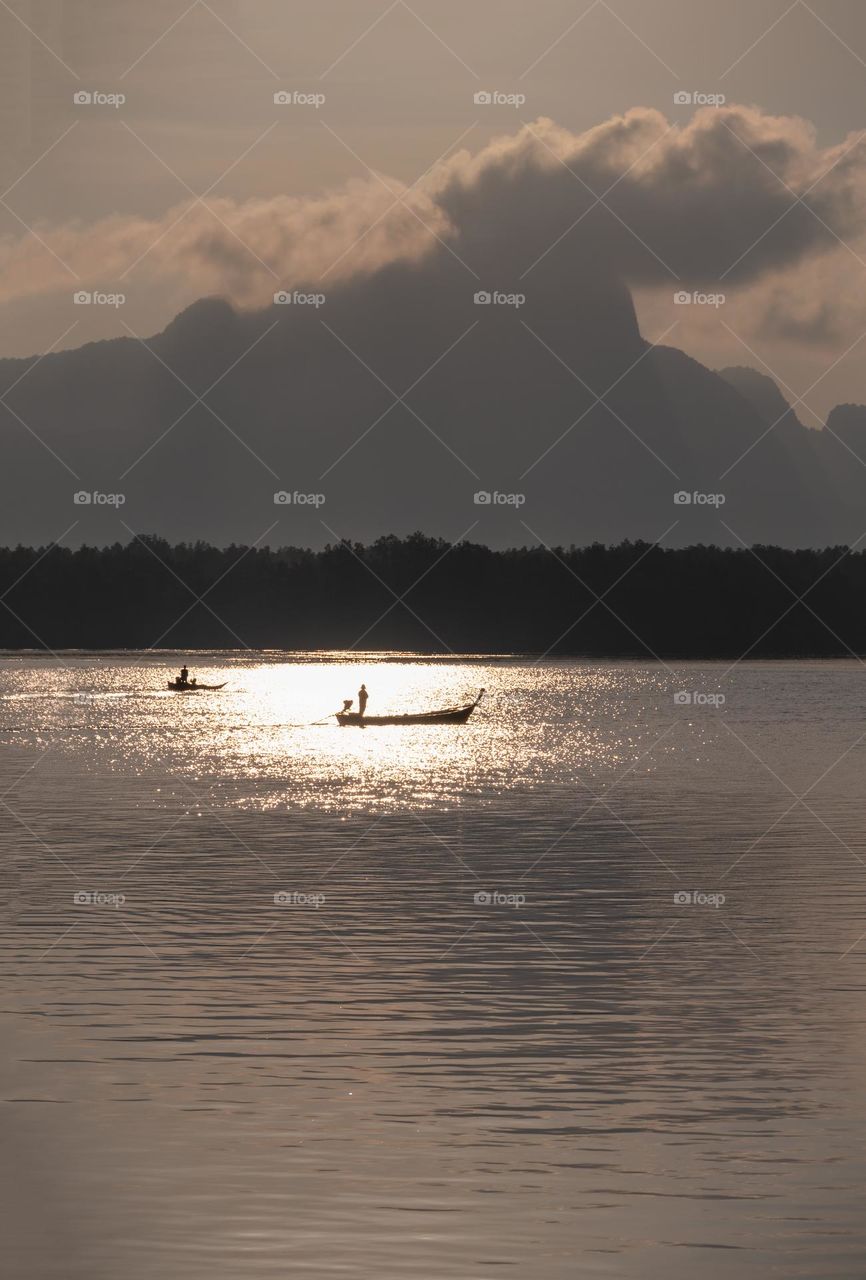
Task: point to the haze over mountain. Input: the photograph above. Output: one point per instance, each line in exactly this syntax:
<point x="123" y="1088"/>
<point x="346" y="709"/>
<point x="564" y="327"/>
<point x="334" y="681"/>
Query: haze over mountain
<point x="401" y="396"/>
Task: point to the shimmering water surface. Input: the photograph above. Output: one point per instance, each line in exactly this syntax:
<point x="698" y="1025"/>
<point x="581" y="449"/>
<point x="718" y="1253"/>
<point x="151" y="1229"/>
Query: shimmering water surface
<point x="577" y="989"/>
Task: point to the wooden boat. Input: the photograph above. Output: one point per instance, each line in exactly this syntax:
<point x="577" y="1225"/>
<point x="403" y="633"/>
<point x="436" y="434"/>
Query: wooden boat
<point x="177" y="687"/>
<point x="450" y="715"/>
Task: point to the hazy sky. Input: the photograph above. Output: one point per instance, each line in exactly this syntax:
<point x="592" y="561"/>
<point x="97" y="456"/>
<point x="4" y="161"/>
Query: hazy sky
<point x="102" y="197"/>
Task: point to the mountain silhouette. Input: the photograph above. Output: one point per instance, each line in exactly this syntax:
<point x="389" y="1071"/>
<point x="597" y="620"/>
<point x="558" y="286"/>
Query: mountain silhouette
<point x="401" y="397"/>
<point x="762" y="393"/>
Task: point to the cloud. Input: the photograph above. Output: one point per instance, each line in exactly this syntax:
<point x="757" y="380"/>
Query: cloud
<point x="244" y="250"/>
<point x="734" y="195"/>
<point x="723" y="197"/>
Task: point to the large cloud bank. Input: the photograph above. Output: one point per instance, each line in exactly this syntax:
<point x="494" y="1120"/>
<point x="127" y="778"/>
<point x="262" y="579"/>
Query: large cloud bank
<point x="735" y="195"/>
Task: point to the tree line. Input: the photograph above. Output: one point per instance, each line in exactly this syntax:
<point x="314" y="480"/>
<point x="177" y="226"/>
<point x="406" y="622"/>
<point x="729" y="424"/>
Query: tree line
<point x="421" y="593"/>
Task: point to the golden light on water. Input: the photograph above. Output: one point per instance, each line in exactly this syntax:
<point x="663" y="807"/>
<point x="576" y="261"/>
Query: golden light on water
<point x="269" y="739"/>
<point x="278" y="736"/>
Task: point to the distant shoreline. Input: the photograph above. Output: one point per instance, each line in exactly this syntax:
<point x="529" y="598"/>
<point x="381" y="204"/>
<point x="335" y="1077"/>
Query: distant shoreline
<point x="385" y="656"/>
<point x="427" y="598"/>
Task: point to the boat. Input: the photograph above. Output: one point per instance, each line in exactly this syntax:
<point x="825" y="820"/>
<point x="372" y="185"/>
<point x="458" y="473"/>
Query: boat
<point x="450" y="715"/>
<point x="177" y="687"/>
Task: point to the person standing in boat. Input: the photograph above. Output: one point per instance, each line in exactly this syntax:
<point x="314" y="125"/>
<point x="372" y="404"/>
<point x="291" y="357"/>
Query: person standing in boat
<point x="362" y="699"/>
<point x="184" y="674"/>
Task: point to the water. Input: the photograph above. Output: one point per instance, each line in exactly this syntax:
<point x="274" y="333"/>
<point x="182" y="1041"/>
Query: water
<point x="423" y="1002"/>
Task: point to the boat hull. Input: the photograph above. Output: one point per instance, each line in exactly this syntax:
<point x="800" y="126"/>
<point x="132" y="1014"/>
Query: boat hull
<point x="193" y="688"/>
<point x="456" y="715"/>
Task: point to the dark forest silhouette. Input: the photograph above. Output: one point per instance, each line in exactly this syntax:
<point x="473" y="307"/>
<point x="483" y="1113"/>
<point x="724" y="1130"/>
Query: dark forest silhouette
<point x="695" y="601"/>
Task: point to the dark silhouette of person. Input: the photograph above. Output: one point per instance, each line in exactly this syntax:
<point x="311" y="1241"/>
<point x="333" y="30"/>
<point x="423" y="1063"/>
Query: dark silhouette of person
<point x="362" y="699"/>
<point x="184" y="674"/>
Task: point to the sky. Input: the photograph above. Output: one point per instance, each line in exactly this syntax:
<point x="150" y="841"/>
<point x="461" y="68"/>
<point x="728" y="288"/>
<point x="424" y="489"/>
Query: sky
<point x="197" y="182"/>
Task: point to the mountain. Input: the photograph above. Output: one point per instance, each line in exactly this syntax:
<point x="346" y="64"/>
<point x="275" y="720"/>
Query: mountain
<point x="848" y="422"/>
<point x="762" y="393"/>
<point x="397" y="400"/>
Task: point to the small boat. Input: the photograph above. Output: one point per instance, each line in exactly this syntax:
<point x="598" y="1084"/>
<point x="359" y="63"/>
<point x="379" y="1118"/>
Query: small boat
<point x="177" y="687"/>
<point x="451" y="715"/>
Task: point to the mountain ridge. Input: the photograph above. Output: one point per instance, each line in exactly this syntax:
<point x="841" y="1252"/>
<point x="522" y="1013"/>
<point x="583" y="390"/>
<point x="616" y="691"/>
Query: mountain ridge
<point x="397" y="401"/>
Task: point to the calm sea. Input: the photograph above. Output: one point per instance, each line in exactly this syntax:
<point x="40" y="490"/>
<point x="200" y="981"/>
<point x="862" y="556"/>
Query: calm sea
<point x="575" y="990"/>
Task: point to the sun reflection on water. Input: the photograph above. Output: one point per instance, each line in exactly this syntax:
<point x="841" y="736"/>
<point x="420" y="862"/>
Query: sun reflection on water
<point x="269" y="739"/>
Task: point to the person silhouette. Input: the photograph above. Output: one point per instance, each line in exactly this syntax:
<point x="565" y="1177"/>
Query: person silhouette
<point x="362" y="699"/>
<point x="184" y="674"/>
